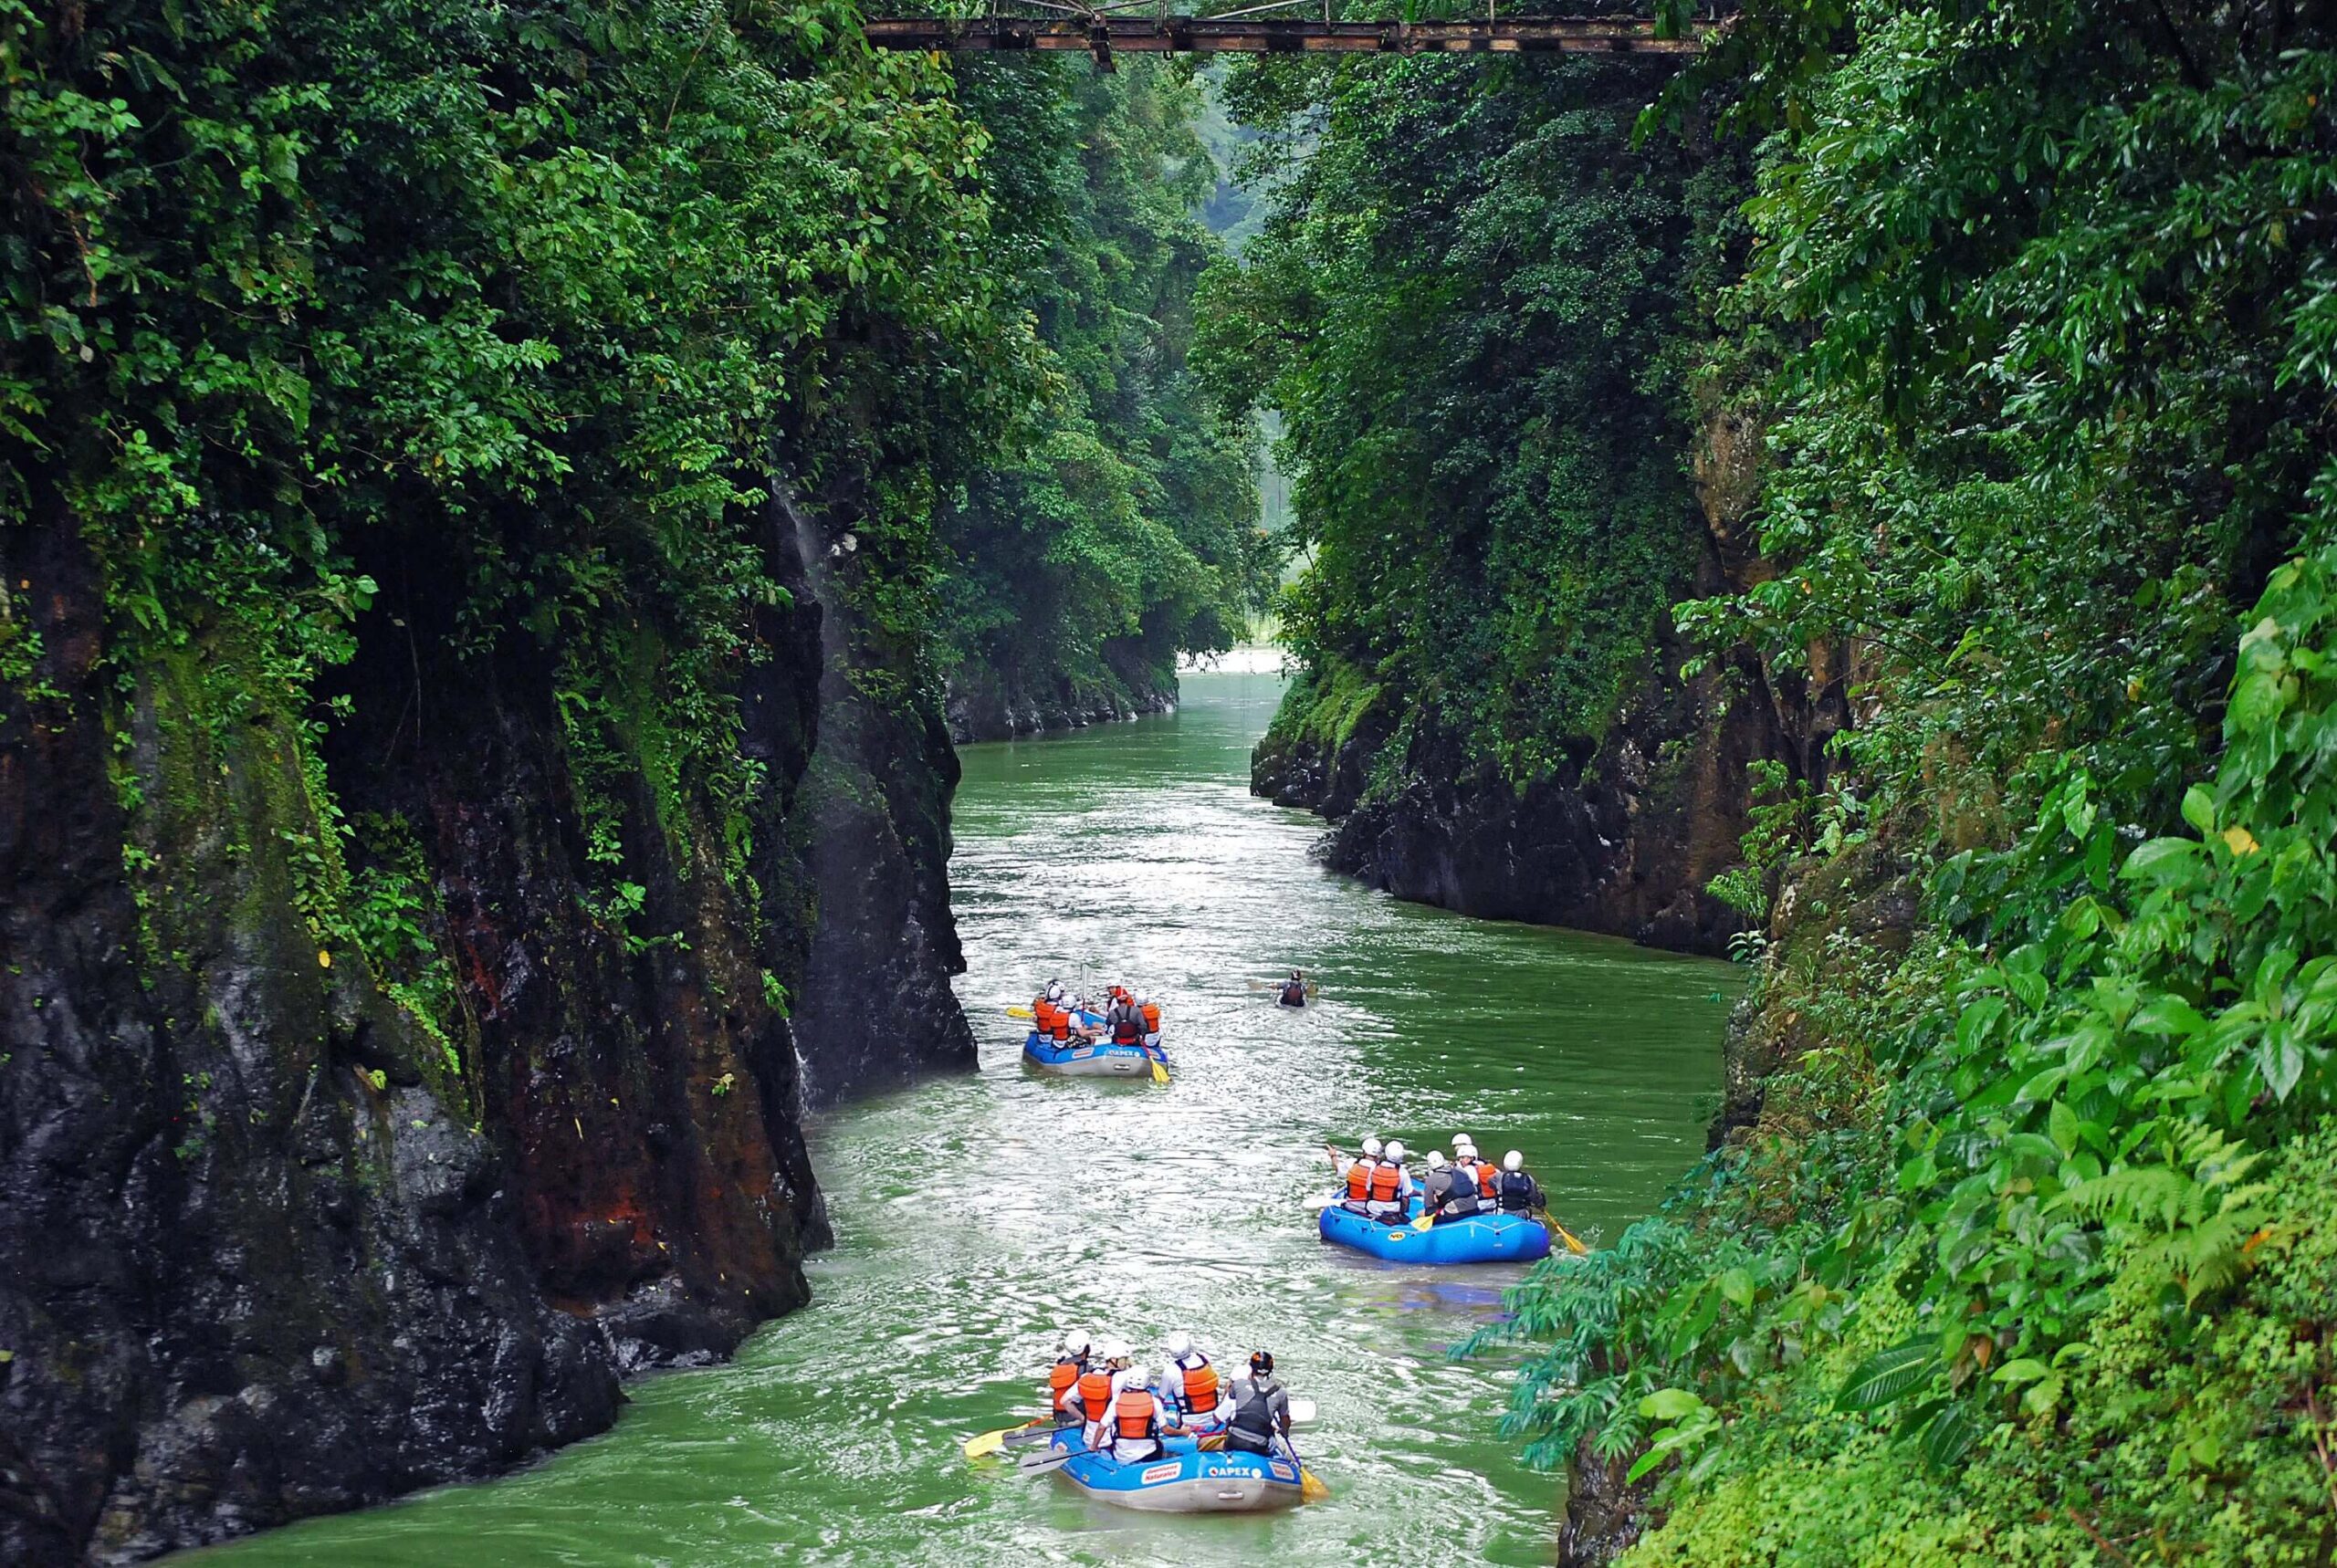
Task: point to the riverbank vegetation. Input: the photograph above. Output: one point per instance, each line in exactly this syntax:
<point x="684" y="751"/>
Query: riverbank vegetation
<point x="1468" y="306"/>
<point x="1124" y="530"/>
<point x="2014" y="1249"/>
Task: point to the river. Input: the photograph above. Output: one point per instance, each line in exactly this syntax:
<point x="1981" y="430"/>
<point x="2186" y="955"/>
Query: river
<point x="976" y="1217"/>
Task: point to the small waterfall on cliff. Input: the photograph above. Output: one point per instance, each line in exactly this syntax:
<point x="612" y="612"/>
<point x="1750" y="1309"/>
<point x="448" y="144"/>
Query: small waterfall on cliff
<point x="811" y="558"/>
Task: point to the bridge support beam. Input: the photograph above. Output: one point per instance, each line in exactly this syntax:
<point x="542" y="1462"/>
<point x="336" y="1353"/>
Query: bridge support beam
<point x="1105" y="35"/>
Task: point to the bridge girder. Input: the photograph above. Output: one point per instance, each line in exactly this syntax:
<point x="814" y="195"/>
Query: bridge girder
<point x="1105" y="33"/>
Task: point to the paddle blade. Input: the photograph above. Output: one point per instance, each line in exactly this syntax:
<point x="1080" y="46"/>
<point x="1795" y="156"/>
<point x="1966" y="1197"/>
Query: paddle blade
<point x="989" y="1443"/>
<point x="1039" y="1465"/>
<point x="1018" y="1013"/>
<point x="1577" y="1247"/>
<point x="1161" y="1073"/>
<point x="1311" y="1487"/>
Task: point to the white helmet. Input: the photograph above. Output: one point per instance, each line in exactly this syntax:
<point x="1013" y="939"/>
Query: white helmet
<point x="1139" y="1378"/>
<point x="1054" y="991"/>
<point x="1395" y="1154"/>
<point x="1512" y="1161"/>
<point x="1076" y="1341"/>
<point x="1436" y="1159"/>
<point x="1371" y="1148"/>
<point x="1463" y="1144"/>
<point x="1116" y="1350"/>
<point x="1179" y="1345"/>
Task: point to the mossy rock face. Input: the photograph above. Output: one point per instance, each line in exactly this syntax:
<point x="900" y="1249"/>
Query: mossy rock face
<point x="229" y="1200"/>
<point x="1623" y="838"/>
<point x="872" y="831"/>
<point x="1044" y="687"/>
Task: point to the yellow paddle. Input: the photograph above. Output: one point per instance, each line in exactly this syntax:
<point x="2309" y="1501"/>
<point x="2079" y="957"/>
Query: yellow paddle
<point x="1018" y="1013"/>
<point x="1311" y="1487"/>
<point x="991" y="1442"/>
<point x="1160" y="1069"/>
<point x="1573" y="1246"/>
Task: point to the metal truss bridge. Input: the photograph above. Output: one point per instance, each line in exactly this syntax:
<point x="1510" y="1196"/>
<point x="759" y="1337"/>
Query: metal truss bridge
<point x="1275" y="27"/>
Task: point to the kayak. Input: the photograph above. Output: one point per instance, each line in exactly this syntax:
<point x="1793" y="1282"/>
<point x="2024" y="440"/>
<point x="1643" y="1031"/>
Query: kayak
<point x="1185" y="1480"/>
<point x="1078" y="1058"/>
<point x="1479" y="1238"/>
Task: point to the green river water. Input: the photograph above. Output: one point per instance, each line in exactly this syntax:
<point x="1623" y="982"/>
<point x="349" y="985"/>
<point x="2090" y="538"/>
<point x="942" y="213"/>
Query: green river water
<point x="975" y="1217"/>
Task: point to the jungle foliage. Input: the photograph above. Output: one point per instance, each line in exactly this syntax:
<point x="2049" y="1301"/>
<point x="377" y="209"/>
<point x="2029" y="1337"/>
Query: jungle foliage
<point x="2027" y="1258"/>
<point x="1471" y="304"/>
<point x="1123" y="531"/>
<point x="530" y="301"/>
<point x="498" y="329"/>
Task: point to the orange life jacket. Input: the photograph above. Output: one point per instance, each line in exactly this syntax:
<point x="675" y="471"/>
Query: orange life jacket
<point x="1359" y="1179"/>
<point x="1062" y="1378"/>
<point x="1486" y="1178"/>
<point x="1134" y="1415"/>
<point x="1152" y="1018"/>
<point x="1042" y="1016"/>
<point x="1201" y="1388"/>
<point x="1386" y="1184"/>
<point x="1096" y="1393"/>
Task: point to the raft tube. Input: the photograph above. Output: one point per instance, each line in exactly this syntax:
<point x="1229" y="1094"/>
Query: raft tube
<point x="1479" y="1238"/>
<point x="1185" y="1480"/>
<point x="1077" y="1059"/>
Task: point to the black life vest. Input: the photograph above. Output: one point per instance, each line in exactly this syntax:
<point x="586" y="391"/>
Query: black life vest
<point x="1253" y="1414"/>
<point x="1516" y="1191"/>
<point x="1294" y="995"/>
<point x="1128" y="1024"/>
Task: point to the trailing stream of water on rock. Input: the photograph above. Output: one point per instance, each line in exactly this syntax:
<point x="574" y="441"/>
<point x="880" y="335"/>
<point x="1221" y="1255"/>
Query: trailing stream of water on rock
<point x="976" y="1217"/>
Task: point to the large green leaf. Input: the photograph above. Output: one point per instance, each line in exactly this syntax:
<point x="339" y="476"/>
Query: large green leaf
<point x="1883" y="1377"/>
<point x="1950" y="1437"/>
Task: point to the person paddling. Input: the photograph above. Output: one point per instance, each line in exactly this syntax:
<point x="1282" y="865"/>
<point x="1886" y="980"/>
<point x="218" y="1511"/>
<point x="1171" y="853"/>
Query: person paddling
<point x="1356" y="1174"/>
<point x="1261" y="1410"/>
<point x="1391" y="1187"/>
<point x="1126" y="1020"/>
<point x="1192" y="1380"/>
<point x="1063" y="1378"/>
<point x="1137" y="1422"/>
<point x="1518" y="1192"/>
<point x="1294" y="990"/>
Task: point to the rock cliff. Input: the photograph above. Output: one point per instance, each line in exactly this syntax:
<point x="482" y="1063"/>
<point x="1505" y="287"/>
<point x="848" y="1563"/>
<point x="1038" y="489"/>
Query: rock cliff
<point x="286" y="1233"/>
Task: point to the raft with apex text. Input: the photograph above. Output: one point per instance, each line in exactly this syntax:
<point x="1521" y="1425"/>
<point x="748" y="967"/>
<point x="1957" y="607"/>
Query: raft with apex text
<point x="1076" y="1058"/>
<point x="1475" y="1238"/>
<point x="1184" y="1479"/>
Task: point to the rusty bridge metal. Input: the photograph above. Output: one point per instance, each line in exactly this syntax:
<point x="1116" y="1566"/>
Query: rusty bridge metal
<point x="1275" y="27"/>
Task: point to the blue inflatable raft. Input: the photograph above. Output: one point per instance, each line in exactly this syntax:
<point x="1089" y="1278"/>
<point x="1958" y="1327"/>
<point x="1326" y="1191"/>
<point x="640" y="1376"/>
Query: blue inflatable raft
<point x="1185" y="1480"/>
<point x="1078" y="1058"/>
<point x="1479" y="1238"/>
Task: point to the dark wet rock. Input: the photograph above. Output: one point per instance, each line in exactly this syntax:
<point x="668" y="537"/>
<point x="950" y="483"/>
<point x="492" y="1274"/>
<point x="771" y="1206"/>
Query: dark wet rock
<point x="1034" y="694"/>
<point x="270" y="1248"/>
<point x="873" y="1008"/>
<point x="1624" y="841"/>
<point x="1605" y="1514"/>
